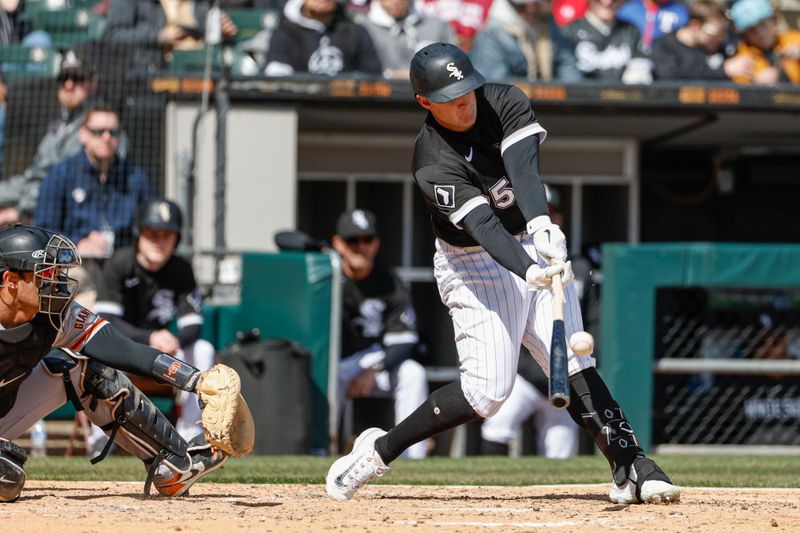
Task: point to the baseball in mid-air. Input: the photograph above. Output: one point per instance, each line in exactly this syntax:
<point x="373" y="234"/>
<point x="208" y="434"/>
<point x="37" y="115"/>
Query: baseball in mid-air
<point x="582" y="343"/>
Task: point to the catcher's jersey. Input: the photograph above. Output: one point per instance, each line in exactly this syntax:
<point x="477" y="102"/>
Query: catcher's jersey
<point x="149" y="300"/>
<point x="457" y="172"/>
<point x="376" y="309"/>
<point x="22" y="347"/>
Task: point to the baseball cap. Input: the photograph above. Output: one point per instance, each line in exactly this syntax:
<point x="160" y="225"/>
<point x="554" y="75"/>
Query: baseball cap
<point x="748" y="13"/>
<point x="356" y="222"/>
<point x="73" y="66"/>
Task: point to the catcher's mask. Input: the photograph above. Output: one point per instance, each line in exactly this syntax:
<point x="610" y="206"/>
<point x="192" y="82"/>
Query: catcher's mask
<point x="49" y="256"/>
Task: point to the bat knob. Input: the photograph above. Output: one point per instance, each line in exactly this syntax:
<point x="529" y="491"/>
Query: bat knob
<point x="560" y="401"/>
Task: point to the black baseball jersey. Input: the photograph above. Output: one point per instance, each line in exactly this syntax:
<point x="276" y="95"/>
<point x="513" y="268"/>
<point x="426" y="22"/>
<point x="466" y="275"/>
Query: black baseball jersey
<point x="149" y="300"/>
<point x="603" y="52"/>
<point x="376" y="310"/>
<point x="459" y="171"/>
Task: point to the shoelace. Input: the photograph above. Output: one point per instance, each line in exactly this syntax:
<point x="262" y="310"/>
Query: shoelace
<point x="363" y="471"/>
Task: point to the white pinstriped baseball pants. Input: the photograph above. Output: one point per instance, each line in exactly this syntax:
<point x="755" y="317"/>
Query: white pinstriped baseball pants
<point x="493" y="314"/>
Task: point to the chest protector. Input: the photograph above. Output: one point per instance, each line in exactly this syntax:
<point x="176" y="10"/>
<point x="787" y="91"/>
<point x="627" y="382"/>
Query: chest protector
<point x="21" y="349"/>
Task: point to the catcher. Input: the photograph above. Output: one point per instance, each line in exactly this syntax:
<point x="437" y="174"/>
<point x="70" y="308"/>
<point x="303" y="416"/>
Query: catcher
<point x="38" y="314"/>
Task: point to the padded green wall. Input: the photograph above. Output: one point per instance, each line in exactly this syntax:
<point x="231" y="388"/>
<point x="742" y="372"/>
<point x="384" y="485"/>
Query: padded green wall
<point x="631" y="274"/>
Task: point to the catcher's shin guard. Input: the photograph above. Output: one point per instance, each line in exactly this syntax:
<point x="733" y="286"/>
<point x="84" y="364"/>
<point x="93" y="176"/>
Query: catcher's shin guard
<point x="593" y="409"/>
<point x="132" y="421"/>
<point x="12" y="475"/>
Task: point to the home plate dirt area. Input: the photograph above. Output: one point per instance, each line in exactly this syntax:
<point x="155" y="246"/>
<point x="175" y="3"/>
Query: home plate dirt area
<point x="105" y="507"/>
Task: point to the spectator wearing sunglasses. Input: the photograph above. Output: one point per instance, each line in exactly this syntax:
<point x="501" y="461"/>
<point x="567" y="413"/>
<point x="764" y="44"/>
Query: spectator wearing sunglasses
<point x="93" y="196"/>
<point x="379" y="331"/>
<point x="77" y="82"/>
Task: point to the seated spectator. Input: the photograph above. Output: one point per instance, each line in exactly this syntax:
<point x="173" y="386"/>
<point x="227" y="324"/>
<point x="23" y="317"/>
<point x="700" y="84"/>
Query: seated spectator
<point x="517" y="42"/>
<point x="157" y="28"/>
<point x="319" y="37"/>
<point x="379" y="330"/>
<point x="775" y="56"/>
<point x="145" y="286"/>
<point x="654" y="18"/>
<point x="77" y="83"/>
<point x="607" y="49"/>
<point x="92" y="196"/>
<point x="399" y="30"/>
<point x="694" y="52"/>
<point x="467" y="17"/>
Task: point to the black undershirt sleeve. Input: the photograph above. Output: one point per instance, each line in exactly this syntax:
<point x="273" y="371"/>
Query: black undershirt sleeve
<point x="140" y="335"/>
<point x="521" y="160"/>
<point x="116" y="350"/>
<point x="486" y="228"/>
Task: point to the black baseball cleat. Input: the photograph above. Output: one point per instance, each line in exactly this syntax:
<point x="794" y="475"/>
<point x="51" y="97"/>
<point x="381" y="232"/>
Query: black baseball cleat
<point x="646" y="483"/>
<point x="205" y="459"/>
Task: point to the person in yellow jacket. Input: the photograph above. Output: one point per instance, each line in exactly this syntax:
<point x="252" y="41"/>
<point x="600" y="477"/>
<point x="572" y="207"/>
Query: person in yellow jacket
<point x="776" y="56"/>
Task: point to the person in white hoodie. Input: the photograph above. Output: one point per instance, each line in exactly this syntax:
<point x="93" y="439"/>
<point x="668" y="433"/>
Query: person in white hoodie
<point x="521" y="40"/>
<point x="398" y="30"/>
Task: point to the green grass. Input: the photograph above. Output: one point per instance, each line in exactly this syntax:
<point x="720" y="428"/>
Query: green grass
<point x="722" y="471"/>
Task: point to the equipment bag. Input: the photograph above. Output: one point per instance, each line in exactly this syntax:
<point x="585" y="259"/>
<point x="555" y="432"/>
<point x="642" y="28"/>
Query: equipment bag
<point x="276" y="383"/>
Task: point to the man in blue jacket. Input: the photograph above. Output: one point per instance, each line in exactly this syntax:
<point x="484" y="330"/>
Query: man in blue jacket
<point x="92" y="197"/>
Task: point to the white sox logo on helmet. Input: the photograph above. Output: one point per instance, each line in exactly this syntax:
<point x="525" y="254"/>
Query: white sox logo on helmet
<point x="454" y="72"/>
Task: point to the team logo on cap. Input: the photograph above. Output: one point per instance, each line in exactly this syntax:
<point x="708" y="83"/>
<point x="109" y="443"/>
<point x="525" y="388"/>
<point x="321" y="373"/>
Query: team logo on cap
<point x="163" y="212"/>
<point x="454" y="72"/>
<point x="445" y="195"/>
<point x="360" y="219"/>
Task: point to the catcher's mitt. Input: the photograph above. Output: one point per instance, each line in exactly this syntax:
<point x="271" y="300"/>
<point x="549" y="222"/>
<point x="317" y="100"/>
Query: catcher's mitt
<point x="226" y="419"/>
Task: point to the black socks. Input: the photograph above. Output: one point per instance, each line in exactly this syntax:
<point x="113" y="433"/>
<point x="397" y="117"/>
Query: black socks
<point x="444" y="409"/>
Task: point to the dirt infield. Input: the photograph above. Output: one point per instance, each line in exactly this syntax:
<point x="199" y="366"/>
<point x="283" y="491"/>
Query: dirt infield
<point x="106" y="507"/>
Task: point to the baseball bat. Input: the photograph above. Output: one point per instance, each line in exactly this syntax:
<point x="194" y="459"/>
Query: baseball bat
<point x="559" y="386"/>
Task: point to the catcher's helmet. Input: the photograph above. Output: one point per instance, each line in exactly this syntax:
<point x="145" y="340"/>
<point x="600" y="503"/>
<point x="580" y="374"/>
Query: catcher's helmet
<point x="160" y="213"/>
<point x="442" y="72"/>
<point x="49" y="256"/>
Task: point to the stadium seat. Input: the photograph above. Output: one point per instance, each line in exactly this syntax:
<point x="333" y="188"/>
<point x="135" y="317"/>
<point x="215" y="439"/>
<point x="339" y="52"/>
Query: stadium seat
<point x="252" y="21"/>
<point x="69" y="27"/>
<point x="21" y="61"/>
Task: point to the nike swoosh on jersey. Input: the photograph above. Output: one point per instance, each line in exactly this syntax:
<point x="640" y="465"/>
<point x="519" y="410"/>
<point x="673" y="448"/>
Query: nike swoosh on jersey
<point x="132" y="282"/>
<point x="468" y="157"/>
<point x="4" y="382"/>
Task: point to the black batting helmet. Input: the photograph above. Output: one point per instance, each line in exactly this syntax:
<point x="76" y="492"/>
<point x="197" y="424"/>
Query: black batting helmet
<point x="159" y="213"/>
<point x="442" y="72"/>
<point x="49" y="256"/>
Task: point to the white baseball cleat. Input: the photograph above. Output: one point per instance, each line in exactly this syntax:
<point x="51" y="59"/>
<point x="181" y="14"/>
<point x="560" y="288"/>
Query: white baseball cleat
<point x="356" y="469"/>
<point x="646" y="483"/>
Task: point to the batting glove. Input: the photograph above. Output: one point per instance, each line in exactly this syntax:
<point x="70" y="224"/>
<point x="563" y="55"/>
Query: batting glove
<point x="540" y="278"/>
<point x="550" y="243"/>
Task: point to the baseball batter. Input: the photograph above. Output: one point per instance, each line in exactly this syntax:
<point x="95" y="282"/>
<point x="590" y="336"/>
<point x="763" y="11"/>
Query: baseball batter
<point x="476" y="164"/>
<point x="37" y="314"/>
